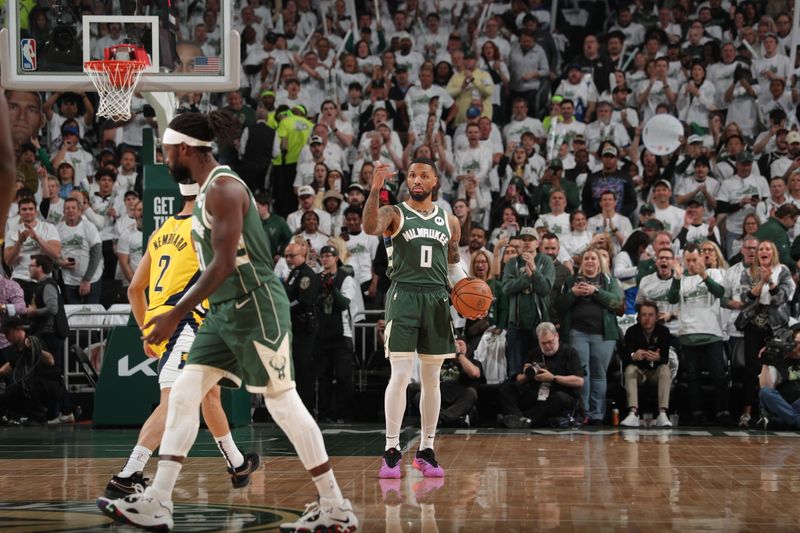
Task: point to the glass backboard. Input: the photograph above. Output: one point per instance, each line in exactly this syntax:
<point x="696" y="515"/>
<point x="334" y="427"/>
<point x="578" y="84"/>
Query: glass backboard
<point x="191" y="44"/>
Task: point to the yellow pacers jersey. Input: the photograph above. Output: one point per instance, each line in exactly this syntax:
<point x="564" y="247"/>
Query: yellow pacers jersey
<point x="173" y="270"/>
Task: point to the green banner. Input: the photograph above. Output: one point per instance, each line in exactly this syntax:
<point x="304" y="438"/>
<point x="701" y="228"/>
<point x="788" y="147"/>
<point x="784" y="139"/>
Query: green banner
<point x="127" y="391"/>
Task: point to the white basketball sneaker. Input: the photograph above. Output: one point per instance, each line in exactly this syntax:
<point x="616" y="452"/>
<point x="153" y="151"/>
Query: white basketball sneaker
<point x="141" y="509"/>
<point x="631" y="421"/>
<point x="325" y="515"/>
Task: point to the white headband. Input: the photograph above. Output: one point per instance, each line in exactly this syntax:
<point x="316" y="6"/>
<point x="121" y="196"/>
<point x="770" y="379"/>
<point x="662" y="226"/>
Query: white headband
<point x="189" y="189"/>
<point x="175" y="137"/>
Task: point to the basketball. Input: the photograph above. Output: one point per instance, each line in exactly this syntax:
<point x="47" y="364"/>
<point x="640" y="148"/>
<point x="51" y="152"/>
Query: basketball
<point x="471" y="297"/>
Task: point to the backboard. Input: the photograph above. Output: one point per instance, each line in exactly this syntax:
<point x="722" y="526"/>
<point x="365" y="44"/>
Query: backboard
<point x="46" y="42"/>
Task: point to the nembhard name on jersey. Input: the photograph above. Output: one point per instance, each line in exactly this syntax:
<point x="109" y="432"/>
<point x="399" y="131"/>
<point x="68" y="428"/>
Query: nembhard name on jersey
<point x="426" y="233"/>
<point x="170" y="238"/>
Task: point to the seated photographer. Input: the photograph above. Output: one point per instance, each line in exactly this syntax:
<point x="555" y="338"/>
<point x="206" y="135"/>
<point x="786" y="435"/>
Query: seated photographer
<point x="645" y="355"/>
<point x="35" y="383"/>
<point x="780" y="381"/>
<point x="549" y="385"/>
<point x="458" y="377"/>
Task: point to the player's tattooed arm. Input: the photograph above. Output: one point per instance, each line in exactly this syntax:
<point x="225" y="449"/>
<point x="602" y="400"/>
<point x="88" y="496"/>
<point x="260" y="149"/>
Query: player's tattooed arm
<point x="379" y="220"/>
<point x="453" y="255"/>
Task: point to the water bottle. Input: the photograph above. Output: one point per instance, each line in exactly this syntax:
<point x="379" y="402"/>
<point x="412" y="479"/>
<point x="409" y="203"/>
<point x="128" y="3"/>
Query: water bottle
<point x="615" y="417"/>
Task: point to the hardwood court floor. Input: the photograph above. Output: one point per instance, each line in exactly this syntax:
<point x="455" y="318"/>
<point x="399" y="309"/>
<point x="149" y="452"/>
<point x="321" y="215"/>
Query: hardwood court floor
<point x="595" y="480"/>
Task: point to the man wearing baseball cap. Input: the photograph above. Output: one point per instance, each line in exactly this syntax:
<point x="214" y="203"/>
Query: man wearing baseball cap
<point x="739" y="196"/>
<point x="553" y="179"/>
<point x="700" y="186"/>
<point x="72" y="151"/>
<point x="470" y="83"/>
<point x="306" y="197"/>
<point x="609" y="178"/>
<point x="672" y="217"/>
<point x="527" y="281"/>
<point x="790" y="163"/>
<point x="333" y="349"/>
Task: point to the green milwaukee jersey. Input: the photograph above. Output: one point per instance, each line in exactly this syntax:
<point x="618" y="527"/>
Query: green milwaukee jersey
<point x="417" y="250"/>
<point x="253" y="260"/>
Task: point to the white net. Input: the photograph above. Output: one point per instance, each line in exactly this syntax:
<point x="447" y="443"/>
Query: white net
<point x="115" y="82"/>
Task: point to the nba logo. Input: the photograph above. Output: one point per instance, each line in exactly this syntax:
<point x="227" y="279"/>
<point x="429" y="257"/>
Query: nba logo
<point x="28" y="51"/>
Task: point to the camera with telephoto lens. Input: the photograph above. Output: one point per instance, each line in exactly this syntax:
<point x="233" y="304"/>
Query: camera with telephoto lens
<point x="531" y="371"/>
<point x="778" y="347"/>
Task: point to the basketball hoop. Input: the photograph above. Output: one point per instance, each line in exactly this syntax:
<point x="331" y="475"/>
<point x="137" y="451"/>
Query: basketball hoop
<point x="116" y="79"/>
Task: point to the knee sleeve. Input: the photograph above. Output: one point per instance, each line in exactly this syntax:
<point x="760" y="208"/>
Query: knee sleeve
<point x="429" y="373"/>
<point x="183" y="414"/>
<point x="402" y="368"/>
<point x="293" y="418"/>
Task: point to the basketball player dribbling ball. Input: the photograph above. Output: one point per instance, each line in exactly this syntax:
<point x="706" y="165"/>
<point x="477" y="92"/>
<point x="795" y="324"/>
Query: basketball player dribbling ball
<point x="422" y="245"/>
<point x="8" y="168"/>
<point x="169" y="268"/>
<point x="246" y="335"/>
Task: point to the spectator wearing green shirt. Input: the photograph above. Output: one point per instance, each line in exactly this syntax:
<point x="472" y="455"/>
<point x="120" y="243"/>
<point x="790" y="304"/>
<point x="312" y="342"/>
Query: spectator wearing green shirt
<point x="275" y="226"/>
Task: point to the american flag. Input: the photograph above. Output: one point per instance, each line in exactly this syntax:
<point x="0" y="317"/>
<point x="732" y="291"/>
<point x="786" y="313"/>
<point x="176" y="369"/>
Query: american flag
<point x="206" y="64"/>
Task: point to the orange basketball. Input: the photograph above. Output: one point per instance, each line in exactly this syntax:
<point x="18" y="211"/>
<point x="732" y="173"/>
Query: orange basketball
<point x="471" y="297"/>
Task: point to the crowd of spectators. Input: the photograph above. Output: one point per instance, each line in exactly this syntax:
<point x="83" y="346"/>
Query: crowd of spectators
<point x="535" y="124"/>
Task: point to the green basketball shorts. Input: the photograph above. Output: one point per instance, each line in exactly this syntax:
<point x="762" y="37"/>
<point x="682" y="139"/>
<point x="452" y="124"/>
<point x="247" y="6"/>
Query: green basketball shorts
<point x="249" y="339"/>
<point x="418" y="320"/>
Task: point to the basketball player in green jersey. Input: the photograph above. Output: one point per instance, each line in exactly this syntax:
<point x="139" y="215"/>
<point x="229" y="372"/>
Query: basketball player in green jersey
<point x="244" y="338"/>
<point x="422" y="245"/>
<point x="8" y="169"/>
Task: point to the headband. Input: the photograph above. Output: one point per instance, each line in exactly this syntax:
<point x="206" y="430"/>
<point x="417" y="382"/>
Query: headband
<point x="189" y="189"/>
<point x="175" y="137"/>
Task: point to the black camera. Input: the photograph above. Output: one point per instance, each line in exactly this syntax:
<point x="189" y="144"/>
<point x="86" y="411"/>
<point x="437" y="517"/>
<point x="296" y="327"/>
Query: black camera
<point x="531" y="371"/>
<point x="778" y="347"/>
<point x="741" y="73"/>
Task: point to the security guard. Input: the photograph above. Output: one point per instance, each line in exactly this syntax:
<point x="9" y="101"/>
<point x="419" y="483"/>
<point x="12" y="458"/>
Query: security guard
<point x="303" y="288"/>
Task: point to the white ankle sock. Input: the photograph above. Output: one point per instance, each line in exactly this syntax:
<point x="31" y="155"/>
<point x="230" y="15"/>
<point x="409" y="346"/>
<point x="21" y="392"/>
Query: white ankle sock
<point x="229" y="450"/>
<point x="166" y="477"/>
<point x="327" y="486"/>
<point x="136" y="462"/>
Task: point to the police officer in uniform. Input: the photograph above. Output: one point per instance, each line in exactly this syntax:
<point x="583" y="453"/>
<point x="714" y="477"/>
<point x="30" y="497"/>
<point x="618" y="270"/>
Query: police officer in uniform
<point x="303" y="288"/>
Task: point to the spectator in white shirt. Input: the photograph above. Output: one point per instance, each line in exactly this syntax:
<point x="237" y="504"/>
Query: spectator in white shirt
<point x="658" y="89"/>
<point x="777" y="197"/>
<point x="633" y="31"/>
<point x="609" y="221"/>
<point x="130" y="247"/>
<point x="739" y="196"/>
<point x="81" y="258"/>
<point x="31" y="236"/>
<point x="582" y="92"/>
<point x="698" y="186"/>
<point x="669" y="215"/>
<point x="362" y="248"/>
<point x="520" y="123"/>
<point x="72" y="151"/>
<point x="474" y="161"/>
<point x="127" y="175"/>
<point x="306" y="197"/>
<point x="605" y="129"/>
<point x="67" y="110"/>
<point x="696" y="98"/>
